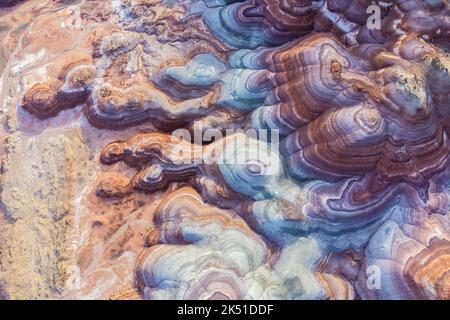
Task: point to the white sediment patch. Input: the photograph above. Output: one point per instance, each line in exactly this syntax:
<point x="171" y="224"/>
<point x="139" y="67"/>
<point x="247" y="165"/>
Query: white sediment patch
<point x="28" y="61"/>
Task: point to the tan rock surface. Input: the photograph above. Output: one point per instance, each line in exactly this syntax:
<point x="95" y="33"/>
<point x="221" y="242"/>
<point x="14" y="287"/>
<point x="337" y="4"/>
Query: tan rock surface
<point x="41" y="180"/>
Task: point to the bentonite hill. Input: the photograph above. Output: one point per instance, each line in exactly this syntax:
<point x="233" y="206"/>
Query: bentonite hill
<point x="225" y="149"/>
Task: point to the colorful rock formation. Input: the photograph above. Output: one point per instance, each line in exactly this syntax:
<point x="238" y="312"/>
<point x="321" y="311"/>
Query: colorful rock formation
<point x="202" y="149"/>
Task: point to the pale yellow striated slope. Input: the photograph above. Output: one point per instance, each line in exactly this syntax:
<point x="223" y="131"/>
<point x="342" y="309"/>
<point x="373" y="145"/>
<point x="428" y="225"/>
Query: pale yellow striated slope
<point x="41" y="178"/>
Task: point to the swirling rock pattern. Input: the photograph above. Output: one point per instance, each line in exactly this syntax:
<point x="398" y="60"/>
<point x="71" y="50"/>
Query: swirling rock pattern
<point x="221" y="256"/>
<point x="239" y="149"/>
<point x="262" y="22"/>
